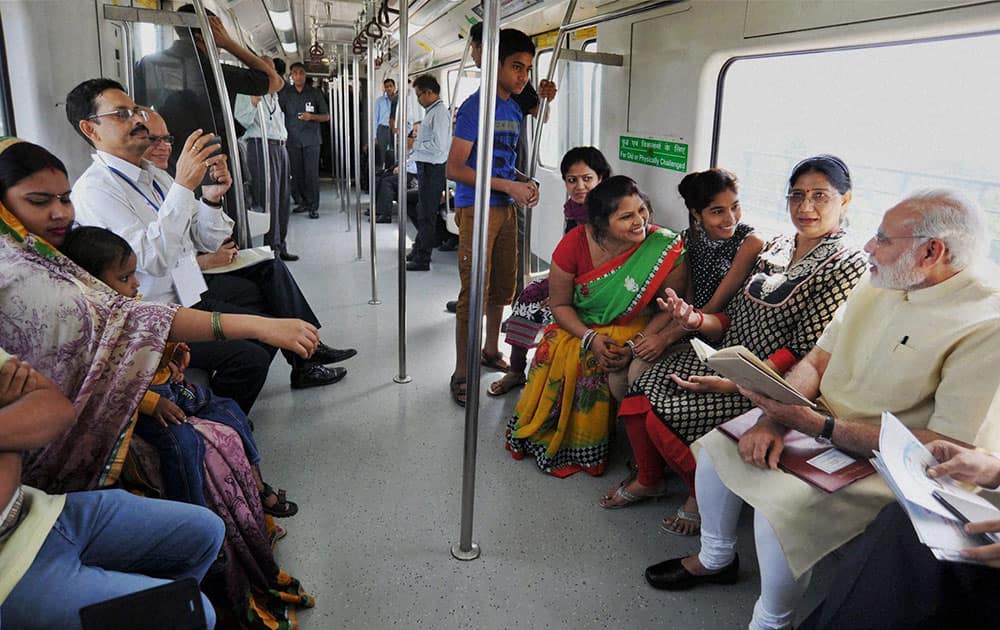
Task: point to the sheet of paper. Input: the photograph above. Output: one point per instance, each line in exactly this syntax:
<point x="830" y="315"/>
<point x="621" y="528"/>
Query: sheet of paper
<point x="831" y="461"/>
<point x="188" y="281"/>
<point x="906" y="461"/>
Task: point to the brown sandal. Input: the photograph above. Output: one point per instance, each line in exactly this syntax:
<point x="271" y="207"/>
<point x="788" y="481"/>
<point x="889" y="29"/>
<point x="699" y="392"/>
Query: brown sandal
<point x="458" y="390"/>
<point x="505" y="384"/>
<point x="496" y="362"/>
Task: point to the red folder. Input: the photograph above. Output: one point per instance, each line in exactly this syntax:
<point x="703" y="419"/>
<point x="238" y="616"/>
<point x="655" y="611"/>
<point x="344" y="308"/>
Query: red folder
<point x="799" y="449"/>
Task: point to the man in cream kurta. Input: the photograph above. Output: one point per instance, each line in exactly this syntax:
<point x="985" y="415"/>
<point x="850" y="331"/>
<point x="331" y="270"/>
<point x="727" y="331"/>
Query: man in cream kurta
<point x="928" y="353"/>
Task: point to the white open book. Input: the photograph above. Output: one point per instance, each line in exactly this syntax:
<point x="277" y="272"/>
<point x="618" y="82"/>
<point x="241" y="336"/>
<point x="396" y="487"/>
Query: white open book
<point x="245" y="258"/>
<point x="744" y="368"/>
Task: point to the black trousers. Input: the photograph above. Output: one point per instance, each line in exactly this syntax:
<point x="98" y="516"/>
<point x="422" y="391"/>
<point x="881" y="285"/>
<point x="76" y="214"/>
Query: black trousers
<point x="267" y="289"/>
<point x="280" y="209"/>
<point x="303" y="163"/>
<point x="431" y="183"/>
<point x="890" y="580"/>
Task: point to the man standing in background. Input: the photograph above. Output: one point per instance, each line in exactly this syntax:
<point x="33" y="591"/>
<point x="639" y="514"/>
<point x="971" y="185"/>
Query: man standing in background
<point x="248" y="112"/>
<point x="384" y="158"/>
<point x="430" y="152"/>
<point x="305" y="110"/>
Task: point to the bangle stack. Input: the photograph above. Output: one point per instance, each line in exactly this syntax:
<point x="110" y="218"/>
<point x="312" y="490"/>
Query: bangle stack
<point x="217" y="326"/>
<point x="701" y="320"/>
<point x="588" y="338"/>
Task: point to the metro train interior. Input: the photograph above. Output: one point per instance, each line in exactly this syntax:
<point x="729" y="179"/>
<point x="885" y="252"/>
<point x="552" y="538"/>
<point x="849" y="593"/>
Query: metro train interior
<point x="393" y="480"/>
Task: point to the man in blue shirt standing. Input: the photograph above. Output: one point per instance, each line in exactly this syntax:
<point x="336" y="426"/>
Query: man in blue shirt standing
<point x="517" y="53"/>
<point x="430" y="152"/>
<point x="384" y="158"/>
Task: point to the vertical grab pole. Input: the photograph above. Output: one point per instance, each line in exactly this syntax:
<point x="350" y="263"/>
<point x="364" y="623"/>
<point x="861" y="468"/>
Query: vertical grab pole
<point x="466" y="549"/>
<point x="401" y="120"/>
<point x="357" y="144"/>
<point x="265" y="156"/>
<point x="371" y="157"/>
<point x="543" y="107"/>
<point x="336" y="168"/>
<point x="345" y="133"/>
<point x="235" y="164"/>
<point x="452" y="106"/>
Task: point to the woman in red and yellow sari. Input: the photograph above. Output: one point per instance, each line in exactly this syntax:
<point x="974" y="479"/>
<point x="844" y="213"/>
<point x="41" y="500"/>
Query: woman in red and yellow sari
<point x="604" y="278"/>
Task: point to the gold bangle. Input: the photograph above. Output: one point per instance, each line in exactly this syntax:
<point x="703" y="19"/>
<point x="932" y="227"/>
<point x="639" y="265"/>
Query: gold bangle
<point x="217" y="326"/>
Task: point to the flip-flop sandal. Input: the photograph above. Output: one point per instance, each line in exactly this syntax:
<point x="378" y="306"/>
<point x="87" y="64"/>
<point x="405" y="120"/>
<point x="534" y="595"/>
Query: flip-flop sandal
<point x="627" y="498"/>
<point x="278" y="533"/>
<point x="682" y="515"/>
<point x="459" y="391"/>
<point x="504" y="385"/>
<point x="282" y="508"/>
<point x="496" y="362"/>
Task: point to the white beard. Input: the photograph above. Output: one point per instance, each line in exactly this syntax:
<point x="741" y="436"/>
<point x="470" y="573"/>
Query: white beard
<point x="900" y="275"/>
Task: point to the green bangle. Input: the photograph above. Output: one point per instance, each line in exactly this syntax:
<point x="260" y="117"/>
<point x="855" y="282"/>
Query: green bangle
<point x="217" y="326"/>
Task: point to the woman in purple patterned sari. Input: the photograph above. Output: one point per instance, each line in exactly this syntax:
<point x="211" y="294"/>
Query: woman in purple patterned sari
<point x="101" y="349"/>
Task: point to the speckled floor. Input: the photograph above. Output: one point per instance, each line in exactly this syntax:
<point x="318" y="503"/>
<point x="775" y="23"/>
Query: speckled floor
<point x="376" y="469"/>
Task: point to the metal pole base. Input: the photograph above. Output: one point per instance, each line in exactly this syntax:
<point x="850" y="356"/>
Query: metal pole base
<point x="471" y="554"/>
<point x="402" y="380"/>
<point x="374" y="302"/>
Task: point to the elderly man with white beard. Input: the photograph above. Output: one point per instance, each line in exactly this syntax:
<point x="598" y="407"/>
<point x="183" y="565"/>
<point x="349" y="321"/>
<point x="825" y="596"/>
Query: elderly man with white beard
<point x="920" y="338"/>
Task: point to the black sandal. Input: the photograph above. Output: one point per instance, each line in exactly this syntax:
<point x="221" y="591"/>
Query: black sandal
<point x="282" y="507"/>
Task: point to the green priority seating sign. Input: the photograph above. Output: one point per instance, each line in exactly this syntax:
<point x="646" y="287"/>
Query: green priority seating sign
<point x="666" y="154"/>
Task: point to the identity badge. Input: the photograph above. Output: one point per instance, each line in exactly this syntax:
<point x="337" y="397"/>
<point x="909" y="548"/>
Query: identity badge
<point x="310" y="108"/>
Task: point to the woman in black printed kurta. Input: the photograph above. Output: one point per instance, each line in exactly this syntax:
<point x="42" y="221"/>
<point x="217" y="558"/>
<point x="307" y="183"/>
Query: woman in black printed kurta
<point x="793" y="292"/>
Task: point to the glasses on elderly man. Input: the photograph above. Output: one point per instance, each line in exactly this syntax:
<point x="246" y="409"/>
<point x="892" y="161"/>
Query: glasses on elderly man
<point x="167" y="139"/>
<point x="882" y="239"/>
<point x="819" y="199"/>
<point x="122" y="113"/>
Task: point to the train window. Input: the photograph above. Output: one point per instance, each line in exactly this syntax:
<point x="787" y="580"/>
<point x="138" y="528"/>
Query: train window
<point x="553" y="133"/>
<point x="468" y="84"/>
<point x="903" y="117"/>
<point x="573" y="122"/>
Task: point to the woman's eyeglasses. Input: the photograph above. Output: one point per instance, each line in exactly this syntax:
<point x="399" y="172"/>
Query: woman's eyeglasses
<point x="818" y="199"/>
<point x="122" y="113"/>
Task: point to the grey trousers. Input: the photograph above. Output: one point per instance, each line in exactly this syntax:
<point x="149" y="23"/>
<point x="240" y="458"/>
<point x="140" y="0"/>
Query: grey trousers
<point x="280" y="206"/>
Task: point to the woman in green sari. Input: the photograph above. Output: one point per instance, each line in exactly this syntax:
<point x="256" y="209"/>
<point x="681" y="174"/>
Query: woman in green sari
<point x="604" y="279"/>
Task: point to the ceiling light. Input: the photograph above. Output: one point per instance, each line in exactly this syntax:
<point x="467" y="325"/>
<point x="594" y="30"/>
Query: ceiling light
<point x="282" y="20"/>
<point x="290" y="47"/>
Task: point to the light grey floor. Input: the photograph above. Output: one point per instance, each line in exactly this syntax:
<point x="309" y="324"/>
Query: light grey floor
<point x="376" y="469"/>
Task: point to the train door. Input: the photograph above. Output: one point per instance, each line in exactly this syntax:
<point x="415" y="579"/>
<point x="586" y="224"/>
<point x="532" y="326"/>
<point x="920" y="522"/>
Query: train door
<point x="573" y="121"/>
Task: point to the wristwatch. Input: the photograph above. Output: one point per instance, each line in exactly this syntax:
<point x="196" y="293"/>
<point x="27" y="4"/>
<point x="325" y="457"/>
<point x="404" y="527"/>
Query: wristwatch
<point x="826" y="434"/>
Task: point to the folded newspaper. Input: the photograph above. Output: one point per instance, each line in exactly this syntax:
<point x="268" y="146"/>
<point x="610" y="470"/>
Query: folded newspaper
<point x="903" y="460"/>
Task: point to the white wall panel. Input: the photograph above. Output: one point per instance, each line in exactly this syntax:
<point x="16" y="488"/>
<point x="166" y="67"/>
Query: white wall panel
<point x="52" y="45"/>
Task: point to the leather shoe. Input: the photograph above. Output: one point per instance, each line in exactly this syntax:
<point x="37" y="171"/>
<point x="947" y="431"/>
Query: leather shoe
<point x="448" y="246"/>
<point x="382" y="219"/>
<point x="314" y="375"/>
<point x="451" y="306"/>
<point x="325" y="354"/>
<point x="288" y="257"/>
<point x="670" y="575"/>
<point x="313" y="214"/>
<point x="298" y="209"/>
<point x="418" y="265"/>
